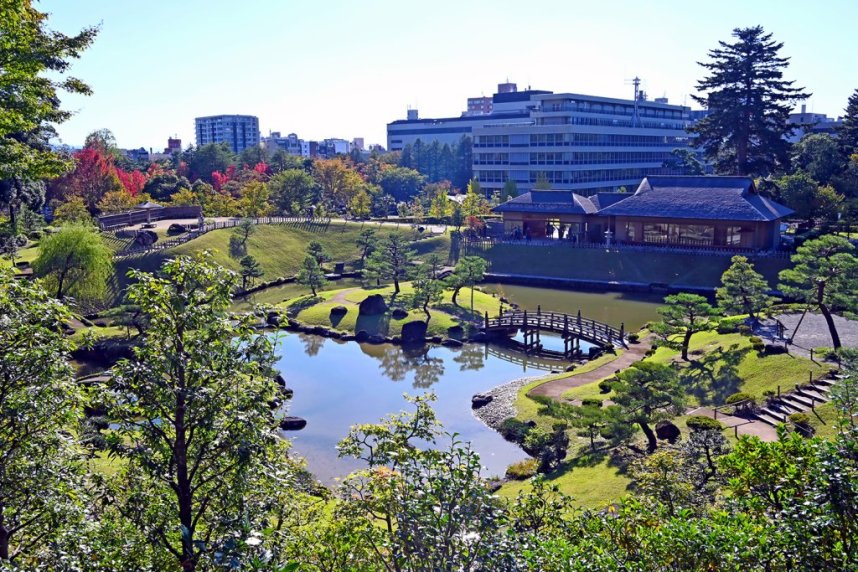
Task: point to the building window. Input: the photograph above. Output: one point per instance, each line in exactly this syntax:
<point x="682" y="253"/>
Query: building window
<point x="734" y="236"/>
<point x="631" y="235"/>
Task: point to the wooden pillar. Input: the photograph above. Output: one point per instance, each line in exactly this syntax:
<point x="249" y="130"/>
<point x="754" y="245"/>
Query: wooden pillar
<point x="622" y="330"/>
<point x="487" y="321"/>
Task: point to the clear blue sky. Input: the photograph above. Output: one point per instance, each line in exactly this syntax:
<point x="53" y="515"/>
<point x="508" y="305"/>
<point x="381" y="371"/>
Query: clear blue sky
<point x="347" y="68"/>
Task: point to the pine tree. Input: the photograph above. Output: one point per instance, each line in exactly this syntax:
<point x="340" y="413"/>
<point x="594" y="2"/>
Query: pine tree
<point x="743" y="289"/>
<point x="749" y="104"/>
<point x="847" y="133"/>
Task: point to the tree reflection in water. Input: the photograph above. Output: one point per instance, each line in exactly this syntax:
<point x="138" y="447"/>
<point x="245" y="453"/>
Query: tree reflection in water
<point x="472" y="357"/>
<point x="312" y="344"/>
<point x="397" y="362"/>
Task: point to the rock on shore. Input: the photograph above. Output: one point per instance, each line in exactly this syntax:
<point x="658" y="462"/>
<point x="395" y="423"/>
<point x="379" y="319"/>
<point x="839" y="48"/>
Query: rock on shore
<point x="502" y="405"/>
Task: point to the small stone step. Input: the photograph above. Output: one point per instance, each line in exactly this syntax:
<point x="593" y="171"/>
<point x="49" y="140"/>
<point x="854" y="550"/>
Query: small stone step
<point x="810" y="394"/>
<point x="820" y="387"/>
<point x="799" y="399"/>
<point x="826" y="381"/>
<point x="777" y="415"/>
<point x="788" y="407"/>
<point x="768" y="420"/>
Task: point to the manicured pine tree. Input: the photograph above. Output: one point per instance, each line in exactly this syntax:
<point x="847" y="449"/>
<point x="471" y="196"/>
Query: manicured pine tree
<point x="684" y="316"/>
<point x="743" y="289"/>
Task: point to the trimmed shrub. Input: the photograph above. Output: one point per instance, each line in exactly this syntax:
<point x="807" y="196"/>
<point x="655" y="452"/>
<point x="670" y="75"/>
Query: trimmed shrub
<point x="824" y="353"/>
<point x="737" y="397"/>
<point x="514" y="430"/>
<point x="773" y="349"/>
<point x="522" y="470"/>
<point x="703" y="423"/>
<point x="802" y="424"/>
<point x="744" y="329"/>
<point x="606" y="385"/>
<point x="634" y="338"/>
<point x="591" y="402"/>
<point x="758" y="347"/>
<point x="755" y="340"/>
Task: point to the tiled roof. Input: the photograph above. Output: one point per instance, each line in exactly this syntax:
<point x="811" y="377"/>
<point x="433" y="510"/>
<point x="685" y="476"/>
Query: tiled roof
<point x="557" y="202"/>
<point x="708" y="198"/>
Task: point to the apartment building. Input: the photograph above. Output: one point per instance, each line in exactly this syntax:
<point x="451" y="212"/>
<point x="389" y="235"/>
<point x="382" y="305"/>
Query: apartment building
<point x="237" y="131"/>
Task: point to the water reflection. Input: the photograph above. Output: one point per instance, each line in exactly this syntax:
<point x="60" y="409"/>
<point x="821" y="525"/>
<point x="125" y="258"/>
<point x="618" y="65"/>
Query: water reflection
<point x="312" y="344"/>
<point x="397" y="362"/>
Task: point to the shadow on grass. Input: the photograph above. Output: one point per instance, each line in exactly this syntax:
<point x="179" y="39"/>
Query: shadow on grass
<point x="715" y="376"/>
<point x="303" y="303"/>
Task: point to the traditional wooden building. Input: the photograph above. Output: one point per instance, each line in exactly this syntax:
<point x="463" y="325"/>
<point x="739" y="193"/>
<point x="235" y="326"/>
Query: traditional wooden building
<point x="722" y="212"/>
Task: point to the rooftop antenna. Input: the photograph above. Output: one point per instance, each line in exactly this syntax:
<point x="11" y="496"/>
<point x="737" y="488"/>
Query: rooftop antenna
<point x="636" y="81"/>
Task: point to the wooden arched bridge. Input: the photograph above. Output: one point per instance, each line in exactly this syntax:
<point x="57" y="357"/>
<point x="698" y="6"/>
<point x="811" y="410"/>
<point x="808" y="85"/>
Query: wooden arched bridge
<point x="572" y="328"/>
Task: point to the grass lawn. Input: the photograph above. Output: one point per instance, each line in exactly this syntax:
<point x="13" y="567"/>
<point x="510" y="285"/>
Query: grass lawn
<point x="279" y="249"/>
<point x="592" y="483"/>
<point x="528" y="409"/>
<point x="564" y="261"/>
<point x="443" y="316"/>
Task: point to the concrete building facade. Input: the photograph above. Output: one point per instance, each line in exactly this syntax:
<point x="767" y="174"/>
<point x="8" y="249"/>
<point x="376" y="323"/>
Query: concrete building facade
<point x="237" y="131"/>
<point x="578" y="142"/>
<point x="584" y="143"/>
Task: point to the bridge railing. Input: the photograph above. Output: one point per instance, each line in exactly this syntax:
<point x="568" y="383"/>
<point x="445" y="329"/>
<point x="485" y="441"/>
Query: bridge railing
<point x="559" y="323"/>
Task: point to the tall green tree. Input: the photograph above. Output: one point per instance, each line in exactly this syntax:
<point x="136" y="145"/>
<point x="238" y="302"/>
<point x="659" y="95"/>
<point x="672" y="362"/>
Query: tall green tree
<point x="824" y="275"/>
<point x="818" y="155"/>
<point x="509" y="190"/>
<point x="366" y="242"/>
<point x="684" y="160"/>
<point x="193" y="426"/>
<point x="648" y="392"/>
<point x="749" y="104"/>
<point x="847" y="133"/>
<point x="41" y="475"/>
<point x="428" y="290"/>
<point x="34" y="62"/>
<point x="311" y="274"/>
<point x="250" y="270"/>
<point x="293" y="190"/>
<point x="74" y="262"/>
<point x="392" y="260"/>
<point x="743" y="289"/>
<point x="683" y="316"/>
<point x="807" y="198"/>
<point x="318" y="252"/>
<point x="468" y="272"/>
<point x="205" y="160"/>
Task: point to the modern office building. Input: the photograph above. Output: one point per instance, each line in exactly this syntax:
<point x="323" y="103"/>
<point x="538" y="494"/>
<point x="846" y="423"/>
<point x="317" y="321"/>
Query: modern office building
<point x="508" y="106"/>
<point x="479" y="105"/>
<point x="577" y="142"/>
<point x="237" y="131"/>
<point x="584" y="143"/>
<point x="810" y="122"/>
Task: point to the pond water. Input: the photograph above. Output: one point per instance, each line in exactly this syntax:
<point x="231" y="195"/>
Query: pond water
<point x="632" y="308"/>
<point x="338" y="384"/>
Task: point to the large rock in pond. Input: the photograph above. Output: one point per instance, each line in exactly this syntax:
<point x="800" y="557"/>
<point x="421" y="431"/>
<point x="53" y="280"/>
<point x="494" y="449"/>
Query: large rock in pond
<point x="414" y="332"/>
<point x="273" y="319"/>
<point x="291" y="423"/>
<point x="451" y="343"/>
<point x="667" y="431"/>
<point x="373" y="305"/>
<point x="480" y="400"/>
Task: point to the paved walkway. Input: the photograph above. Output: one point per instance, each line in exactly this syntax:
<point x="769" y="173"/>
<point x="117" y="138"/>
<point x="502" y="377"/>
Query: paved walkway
<point x="556" y="388"/>
<point x="756" y="428"/>
<point x="812" y="333"/>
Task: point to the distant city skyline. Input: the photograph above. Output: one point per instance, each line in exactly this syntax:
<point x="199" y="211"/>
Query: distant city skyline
<point x="346" y="69"/>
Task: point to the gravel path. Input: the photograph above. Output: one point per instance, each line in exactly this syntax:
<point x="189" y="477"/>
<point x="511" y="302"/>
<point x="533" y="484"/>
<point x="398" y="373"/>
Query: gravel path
<point x="502" y="405"/>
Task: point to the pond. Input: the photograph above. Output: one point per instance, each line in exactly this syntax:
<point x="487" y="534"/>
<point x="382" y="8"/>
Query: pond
<point x="632" y="308"/>
<point x="338" y="384"/>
